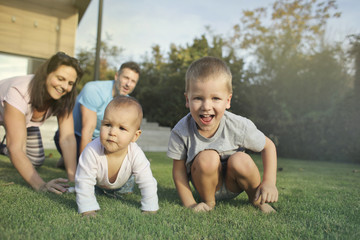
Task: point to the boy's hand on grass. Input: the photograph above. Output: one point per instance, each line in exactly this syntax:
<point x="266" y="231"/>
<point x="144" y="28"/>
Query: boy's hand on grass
<point x="89" y="214"/>
<point x="268" y="193"/>
<point x="57" y="186"/>
<point x="201" y="207"/>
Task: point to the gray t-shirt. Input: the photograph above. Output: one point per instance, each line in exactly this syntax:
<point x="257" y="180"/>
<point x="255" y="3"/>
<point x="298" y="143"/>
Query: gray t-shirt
<point x="234" y="132"/>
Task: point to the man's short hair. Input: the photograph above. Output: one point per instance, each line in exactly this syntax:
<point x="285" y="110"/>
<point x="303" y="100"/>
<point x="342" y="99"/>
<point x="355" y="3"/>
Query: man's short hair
<point x="131" y="65"/>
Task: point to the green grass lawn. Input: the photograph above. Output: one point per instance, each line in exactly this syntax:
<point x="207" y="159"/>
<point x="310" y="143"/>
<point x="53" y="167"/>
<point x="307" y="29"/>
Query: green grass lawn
<point x="317" y="200"/>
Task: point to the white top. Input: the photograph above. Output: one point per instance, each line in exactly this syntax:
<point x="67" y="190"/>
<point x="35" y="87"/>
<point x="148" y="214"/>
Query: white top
<point x="93" y="170"/>
<point x="14" y="91"/>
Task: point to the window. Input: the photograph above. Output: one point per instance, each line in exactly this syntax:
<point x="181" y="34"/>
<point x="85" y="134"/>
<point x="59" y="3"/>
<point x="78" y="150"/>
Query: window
<point x="14" y="65"/>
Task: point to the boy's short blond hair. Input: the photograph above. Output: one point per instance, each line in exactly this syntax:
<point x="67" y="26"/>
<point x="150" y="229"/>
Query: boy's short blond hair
<point x="121" y="100"/>
<point x="205" y="68"/>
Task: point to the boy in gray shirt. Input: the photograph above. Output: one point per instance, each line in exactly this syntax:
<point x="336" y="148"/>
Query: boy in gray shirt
<point x="207" y="144"/>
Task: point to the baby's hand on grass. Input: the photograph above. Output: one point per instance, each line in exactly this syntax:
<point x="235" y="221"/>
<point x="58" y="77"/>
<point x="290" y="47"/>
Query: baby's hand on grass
<point x="89" y="214"/>
<point x="57" y="186"/>
<point x="268" y="193"/>
<point x="201" y="207"/>
<point x="71" y="190"/>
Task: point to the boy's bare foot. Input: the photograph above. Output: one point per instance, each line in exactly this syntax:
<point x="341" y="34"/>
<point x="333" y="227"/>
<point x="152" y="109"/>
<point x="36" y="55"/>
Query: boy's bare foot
<point x="265" y="208"/>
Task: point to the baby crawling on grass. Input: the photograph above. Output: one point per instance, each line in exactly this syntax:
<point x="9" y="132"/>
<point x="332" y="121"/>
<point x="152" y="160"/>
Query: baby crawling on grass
<point x="109" y="161"/>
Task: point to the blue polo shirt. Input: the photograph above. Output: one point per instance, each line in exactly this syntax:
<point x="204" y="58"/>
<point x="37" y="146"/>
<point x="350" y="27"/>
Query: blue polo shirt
<point x="95" y="96"/>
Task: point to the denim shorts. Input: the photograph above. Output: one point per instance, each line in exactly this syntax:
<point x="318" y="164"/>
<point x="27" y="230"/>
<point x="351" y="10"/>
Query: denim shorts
<point x="127" y="188"/>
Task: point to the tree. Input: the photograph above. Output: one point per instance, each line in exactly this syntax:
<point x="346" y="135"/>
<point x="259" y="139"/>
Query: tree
<point x="162" y="85"/>
<point x="346" y="115"/>
<point x="299" y="77"/>
<point x="301" y="21"/>
<point x="355" y="52"/>
<point x="108" y="67"/>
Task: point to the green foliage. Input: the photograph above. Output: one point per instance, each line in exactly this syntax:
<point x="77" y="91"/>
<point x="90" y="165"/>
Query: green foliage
<point x="355" y="52"/>
<point x="108" y="55"/>
<point x="303" y="94"/>
<point x="301" y="21"/>
<point x="317" y="200"/>
<point x="299" y="81"/>
<point x="297" y="90"/>
<point x="344" y="130"/>
<point x="162" y="85"/>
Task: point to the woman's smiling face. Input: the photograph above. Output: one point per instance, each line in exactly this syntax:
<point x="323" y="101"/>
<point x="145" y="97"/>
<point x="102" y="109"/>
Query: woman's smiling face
<point x="61" y="81"/>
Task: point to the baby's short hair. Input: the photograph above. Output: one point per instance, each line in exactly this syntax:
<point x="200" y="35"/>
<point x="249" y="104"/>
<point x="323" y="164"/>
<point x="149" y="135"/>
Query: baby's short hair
<point x="205" y="68"/>
<point x="122" y="100"/>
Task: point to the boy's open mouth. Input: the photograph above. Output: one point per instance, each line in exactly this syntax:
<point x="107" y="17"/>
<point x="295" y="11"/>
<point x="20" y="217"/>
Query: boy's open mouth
<point x="206" y="119"/>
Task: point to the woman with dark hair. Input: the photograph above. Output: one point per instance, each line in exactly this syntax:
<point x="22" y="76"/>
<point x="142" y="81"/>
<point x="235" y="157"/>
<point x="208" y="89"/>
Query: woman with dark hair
<point x="25" y="103"/>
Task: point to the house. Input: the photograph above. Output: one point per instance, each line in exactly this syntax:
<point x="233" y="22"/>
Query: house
<point x="33" y="30"/>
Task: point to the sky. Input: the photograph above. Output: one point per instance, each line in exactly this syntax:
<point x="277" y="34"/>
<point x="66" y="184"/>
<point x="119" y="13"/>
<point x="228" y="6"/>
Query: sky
<point x="138" y="25"/>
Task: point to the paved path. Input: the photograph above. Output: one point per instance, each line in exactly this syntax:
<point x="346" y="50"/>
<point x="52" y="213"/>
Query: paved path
<point x="153" y="138"/>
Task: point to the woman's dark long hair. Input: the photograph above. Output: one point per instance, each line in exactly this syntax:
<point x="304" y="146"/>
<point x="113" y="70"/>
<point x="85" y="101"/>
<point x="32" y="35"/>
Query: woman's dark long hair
<point x="39" y="97"/>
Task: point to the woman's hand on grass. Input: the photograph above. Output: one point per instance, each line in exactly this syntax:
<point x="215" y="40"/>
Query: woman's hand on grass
<point x="57" y="186"/>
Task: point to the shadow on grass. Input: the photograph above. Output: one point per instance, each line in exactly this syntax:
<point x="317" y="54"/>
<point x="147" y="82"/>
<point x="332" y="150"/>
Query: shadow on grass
<point x="167" y="194"/>
<point x="9" y="174"/>
<point x="236" y="202"/>
<point x="241" y="202"/>
<point x="68" y="200"/>
<point x="64" y="200"/>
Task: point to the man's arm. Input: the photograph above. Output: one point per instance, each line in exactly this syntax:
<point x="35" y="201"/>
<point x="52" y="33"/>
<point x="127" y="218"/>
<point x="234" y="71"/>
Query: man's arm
<point x="67" y="143"/>
<point x="89" y="119"/>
